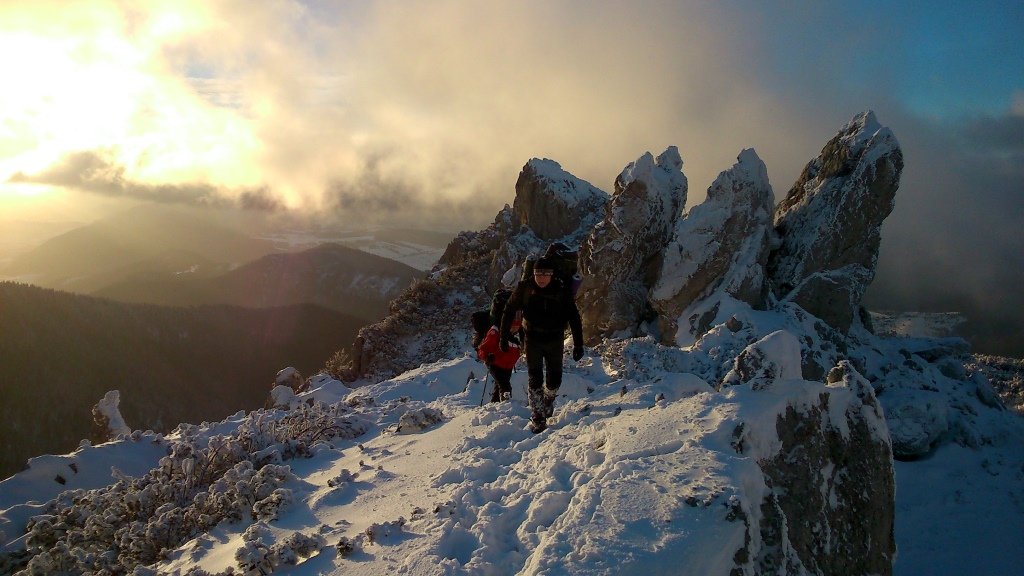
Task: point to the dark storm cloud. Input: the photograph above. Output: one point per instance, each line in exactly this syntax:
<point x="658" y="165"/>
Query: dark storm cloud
<point x="97" y="172"/>
<point x="1004" y="135"/>
<point x="953" y="243"/>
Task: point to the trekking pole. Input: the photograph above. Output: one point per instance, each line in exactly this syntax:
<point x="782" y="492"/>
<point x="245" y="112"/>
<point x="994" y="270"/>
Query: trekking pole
<point x="483" y="392"/>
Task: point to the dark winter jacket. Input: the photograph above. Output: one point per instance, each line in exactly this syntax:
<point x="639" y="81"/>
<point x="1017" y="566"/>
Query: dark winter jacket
<point x="546" y="312"/>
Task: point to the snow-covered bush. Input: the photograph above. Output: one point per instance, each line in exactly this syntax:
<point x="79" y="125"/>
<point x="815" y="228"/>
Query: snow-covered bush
<point x="257" y="558"/>
<point x="200" y="483"/>
<point x="419" y="420"/>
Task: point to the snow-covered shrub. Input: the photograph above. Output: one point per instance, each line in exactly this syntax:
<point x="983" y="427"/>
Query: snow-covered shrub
<point x="378" y="531"/>
<point x="256" y="557"/>
<point x="419" y="420"/>
<point x="138" y="521"/>
<point x="344" y="477"/>
<point x="347" y="546"/>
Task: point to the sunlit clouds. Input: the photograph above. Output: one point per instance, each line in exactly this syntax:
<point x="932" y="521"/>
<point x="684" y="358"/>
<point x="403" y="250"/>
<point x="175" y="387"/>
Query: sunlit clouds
<point x="421" y="111"/>
<point x="417" y="105"/>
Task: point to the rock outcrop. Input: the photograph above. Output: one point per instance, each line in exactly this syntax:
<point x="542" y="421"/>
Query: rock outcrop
<point x="552" y="202"/>
<point x="430" y="319"/>
<point x="107" y="422"/>
<point x="720" y="248"/>
<point x="830" y="222"/>
<point x="829" y="490"/>
<point x="621" y="258"/>
<point x="774" y="357"/>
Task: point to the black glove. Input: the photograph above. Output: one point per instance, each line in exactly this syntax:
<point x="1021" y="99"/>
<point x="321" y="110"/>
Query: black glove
<point x="503" y="343"/>
<point x="577" y="353"/>
<point x="490" y="359"/>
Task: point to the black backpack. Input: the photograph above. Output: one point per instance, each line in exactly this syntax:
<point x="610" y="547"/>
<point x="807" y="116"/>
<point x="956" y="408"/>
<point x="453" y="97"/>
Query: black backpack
<point x="564" y="261"/>
<point x="482" y="320"/>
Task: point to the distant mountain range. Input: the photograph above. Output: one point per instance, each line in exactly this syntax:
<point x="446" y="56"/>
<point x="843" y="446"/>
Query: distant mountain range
<point x="328" y="275"/>
<point x="184" y="257"/>
<point x="61" y="352"/>
<point x="143" y="240"/>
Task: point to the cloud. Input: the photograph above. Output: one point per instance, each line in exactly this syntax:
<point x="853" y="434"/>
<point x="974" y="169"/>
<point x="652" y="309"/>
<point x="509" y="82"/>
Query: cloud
<point x="953" y="241"/>
<point x="98" y="173"/>
<point x="423" y="113"/>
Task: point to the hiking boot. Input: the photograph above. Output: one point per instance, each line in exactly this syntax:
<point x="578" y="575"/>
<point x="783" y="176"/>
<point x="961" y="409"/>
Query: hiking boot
<point x="538" y="417"/>
<point x="538" y="426"/>
<point x="548" y="402"/>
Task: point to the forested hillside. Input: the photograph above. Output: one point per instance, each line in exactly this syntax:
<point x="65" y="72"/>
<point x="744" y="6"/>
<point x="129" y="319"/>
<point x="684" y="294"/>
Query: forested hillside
<point x="61" y="352"/>
<point x="329" y="275"/>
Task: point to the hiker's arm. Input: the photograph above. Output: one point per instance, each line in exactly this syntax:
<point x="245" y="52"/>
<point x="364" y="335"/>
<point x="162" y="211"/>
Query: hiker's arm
<point x="511" y="307"/>
<point x="575" y="322"/>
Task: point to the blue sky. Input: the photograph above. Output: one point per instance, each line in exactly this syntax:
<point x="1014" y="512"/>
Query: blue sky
<point x="940" y="59"/>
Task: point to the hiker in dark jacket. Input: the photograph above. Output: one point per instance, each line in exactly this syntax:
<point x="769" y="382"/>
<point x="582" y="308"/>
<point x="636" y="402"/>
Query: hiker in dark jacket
<point x="547" y="307"/>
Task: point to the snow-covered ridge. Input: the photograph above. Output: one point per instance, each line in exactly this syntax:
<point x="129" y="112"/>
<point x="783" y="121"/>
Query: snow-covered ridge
<point x="633" y="473"/>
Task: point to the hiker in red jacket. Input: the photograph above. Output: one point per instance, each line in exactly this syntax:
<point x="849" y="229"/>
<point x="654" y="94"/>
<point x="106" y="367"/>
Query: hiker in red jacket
<point x="500" y="362"/>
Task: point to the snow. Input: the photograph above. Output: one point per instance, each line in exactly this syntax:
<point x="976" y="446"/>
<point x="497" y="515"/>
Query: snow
<point x="636" y="474"/>
<point x="570" y="190"/>
<point x="108" y="407"/>
<point x="921" y="324"/>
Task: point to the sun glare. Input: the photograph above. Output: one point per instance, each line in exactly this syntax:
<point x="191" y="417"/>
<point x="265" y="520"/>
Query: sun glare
<point x="82" y="81"/>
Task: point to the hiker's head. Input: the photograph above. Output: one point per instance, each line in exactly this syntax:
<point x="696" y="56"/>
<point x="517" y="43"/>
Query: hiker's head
<point x="543" y="271"/>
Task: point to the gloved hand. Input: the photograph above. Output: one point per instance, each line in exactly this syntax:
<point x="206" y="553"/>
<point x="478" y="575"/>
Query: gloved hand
<point x="577" y="353"/>
<point x="490" y="359"/>
<point x="503" y="343"/>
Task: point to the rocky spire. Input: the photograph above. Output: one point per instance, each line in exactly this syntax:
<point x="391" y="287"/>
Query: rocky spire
<point x="622" y="256"/>
<point x="551" y="201"/>
<point x="830" y="222"/>
<point x="719" y="248"/>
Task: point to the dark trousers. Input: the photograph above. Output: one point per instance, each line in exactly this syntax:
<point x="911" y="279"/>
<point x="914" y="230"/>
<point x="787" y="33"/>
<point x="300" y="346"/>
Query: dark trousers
<point x="544" y="355"/>
<point x="502" y="382"/>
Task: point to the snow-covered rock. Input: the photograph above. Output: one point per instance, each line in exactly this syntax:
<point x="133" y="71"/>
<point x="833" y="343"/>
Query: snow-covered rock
<point x="621" y="258"/>
<point x="917" y="419"/>
<point x="828" y="506"/>
<point x="551" y="202"/>
<point x="720" y="245"/>
<point x="774" y="357"/>
<point x="830" y="222"/>
<point x="107" y="422"/>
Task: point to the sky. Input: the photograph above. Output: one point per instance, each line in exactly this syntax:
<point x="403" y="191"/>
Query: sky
<point x="423" y="113"/>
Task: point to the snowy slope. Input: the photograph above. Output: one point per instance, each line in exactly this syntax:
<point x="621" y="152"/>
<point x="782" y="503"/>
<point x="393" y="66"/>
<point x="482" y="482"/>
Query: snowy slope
<point x="632" y="477"/>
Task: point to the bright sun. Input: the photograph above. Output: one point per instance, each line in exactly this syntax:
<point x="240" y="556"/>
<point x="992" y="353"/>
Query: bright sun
<point x="84" y="82"/>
